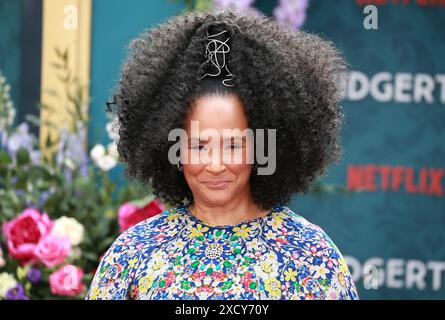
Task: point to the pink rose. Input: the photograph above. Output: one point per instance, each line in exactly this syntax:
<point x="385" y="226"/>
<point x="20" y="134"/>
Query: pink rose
<point x="67" y="281"/>
<point x="24" y="233"/>
<point x="124" y="212"/>
<point x="52" y="250"/>
<point x="130" y="215"/>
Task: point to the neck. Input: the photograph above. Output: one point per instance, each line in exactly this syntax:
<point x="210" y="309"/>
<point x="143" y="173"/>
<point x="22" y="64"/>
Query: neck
<point x="234" y="212"/>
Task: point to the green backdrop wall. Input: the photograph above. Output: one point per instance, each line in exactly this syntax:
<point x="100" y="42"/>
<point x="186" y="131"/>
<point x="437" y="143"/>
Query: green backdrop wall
<point x="394" y="147"/>
<point x="10" y="45"/>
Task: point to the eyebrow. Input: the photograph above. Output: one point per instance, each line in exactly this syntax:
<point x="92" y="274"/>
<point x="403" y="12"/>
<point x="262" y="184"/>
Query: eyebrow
<point x="193" y="139"/>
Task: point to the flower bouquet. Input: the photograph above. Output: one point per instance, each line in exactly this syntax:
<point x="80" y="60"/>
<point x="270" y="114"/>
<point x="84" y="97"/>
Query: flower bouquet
<point x="59" y="213"/>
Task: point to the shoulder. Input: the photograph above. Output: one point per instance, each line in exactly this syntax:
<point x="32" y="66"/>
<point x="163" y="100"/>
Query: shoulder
<point x="120" y="262"/>
<point x="315" y="254"/>
<point x="293" y="224"/>
<point x="152" y="231"/>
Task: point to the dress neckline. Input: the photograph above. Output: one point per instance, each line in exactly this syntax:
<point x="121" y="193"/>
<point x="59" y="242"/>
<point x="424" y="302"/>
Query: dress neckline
<point x="184" y="208"/>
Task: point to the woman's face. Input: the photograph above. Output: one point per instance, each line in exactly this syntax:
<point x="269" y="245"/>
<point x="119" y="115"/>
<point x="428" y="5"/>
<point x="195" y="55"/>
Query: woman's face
<point x="219" y="114"/>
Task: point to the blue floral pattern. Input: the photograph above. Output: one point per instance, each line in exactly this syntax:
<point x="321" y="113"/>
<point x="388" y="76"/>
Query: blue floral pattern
<point x="174" y="255"/>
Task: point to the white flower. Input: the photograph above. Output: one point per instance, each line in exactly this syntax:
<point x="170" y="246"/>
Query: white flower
<point x="70" y="227"/>
<point x="267" y="267"/>
<point x="6" y="108"/>
<point x="237" y="290"/>
<point x="106" y="162"/>
<point x="97" y="152"/>
<point x="9" y="105"/>
<point x="270" y="235"/>
<point x="103" y="160"/>
<point x="254" y="244"/>
<point x="112" y="150"/>
<point x="180" y="244"/>
<point x="321" y="271"/>
<point x="158" y="255"/>
<point x="7" y="282"/>
<point x="113" y="129"/>
<point x="75" y="253"/>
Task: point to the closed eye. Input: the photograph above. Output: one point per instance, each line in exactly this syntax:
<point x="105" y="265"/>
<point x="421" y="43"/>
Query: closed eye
<point x="199" y="147"/>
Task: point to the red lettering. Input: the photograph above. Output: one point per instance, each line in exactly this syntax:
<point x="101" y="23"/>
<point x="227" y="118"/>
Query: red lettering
<point x="370" y="171"/>
<point x="385" y="172"/>
<point x="431" y="3"/>
<point x="435" y="185"/>
<point x="354" y="177"/>
<point x="410" y="186"/>
<point x="397" y="173"/>
<point x="423" y="180"/>
<point x="364" y="177"/>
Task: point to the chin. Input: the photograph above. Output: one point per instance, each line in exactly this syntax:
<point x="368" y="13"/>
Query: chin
<point x="217" y="199"/>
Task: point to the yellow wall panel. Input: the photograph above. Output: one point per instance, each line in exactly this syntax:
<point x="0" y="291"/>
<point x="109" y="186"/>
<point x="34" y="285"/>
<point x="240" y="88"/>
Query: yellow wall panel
<point x="66" y="25"/>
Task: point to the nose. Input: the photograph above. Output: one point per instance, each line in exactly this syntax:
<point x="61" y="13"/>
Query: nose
<point x="215" y="168"/>
<point x="215" y="165"/>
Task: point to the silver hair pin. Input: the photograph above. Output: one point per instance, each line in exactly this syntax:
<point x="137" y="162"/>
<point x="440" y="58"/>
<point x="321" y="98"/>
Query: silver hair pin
<point x="213" y="47"/>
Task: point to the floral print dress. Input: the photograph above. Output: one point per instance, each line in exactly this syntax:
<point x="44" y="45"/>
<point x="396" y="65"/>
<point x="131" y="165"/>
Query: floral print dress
<point x="174" y="255"/>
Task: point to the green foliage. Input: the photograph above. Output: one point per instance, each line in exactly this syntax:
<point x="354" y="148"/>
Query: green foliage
<point x="195" y="5"/>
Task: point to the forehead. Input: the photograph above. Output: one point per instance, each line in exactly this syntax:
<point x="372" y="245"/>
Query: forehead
<point x="217" y="112"/>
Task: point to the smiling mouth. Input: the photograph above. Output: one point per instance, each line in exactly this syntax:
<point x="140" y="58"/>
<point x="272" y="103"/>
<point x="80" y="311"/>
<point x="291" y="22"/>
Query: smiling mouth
<point x="216" y="185"/>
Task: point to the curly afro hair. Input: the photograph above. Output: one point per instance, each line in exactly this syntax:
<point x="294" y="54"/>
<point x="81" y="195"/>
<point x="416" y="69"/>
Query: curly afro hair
<point x="286" y="80"/>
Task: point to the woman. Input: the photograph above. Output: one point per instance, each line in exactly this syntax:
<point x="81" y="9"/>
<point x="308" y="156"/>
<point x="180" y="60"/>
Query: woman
<point x="229" y="233"/>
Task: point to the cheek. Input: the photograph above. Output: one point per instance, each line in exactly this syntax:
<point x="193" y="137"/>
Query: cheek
<point x="242" y="171"/>
<point x="249" y="157"/>
<point x="192" y="170"/>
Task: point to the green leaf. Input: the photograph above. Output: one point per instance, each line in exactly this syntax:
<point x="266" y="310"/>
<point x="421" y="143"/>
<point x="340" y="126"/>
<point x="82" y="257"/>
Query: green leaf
<point x="56" y="65"/>
<point x="202" y="5"/>
<point x="22" y="156"/>
<point x="90" y="256"/>
<point x="58" y="53"/>
<point x="45" y="106"/>
<point x="8" y="213"/>
<point x="48" y="141"/>
<point x="65" y="55"/>
<point x="105" y="244"/>
<point x="5" y="158"/>
<point x="3" y="173"/>
<point x="22" y="179"/>
<point x="33" y="119"/>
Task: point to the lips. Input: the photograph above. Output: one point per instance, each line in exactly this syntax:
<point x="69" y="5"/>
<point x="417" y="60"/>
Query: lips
<point x="215" y="185"/>
<point x="215" y="182"/>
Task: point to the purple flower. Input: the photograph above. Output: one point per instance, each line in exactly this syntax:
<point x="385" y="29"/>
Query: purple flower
<point x="16" y="293"/>
<point x="22" y="138"/>
<point x="72" y="152"/>
<point x="244" y="6"/>
<point x="34" y="275"/>
<point x="18" y="192"/>
<point x="3" y="137"/>
<point x="237" y="3"/>
<point x="291" y="12"/>
<point x="43" y="197"/>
